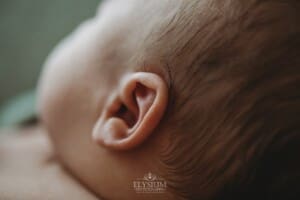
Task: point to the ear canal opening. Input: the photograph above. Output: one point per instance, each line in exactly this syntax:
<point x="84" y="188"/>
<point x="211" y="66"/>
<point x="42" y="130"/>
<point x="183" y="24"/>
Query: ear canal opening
<point x="125" y="114"/>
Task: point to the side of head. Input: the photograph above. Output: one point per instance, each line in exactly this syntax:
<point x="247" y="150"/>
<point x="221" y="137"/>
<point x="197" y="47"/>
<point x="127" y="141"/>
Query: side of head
<point x="202" y="93"/>
<point x="235" y="130"/>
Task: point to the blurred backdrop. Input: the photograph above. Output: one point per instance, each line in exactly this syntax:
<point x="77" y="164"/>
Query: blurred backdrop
<point x="28" y="32"/>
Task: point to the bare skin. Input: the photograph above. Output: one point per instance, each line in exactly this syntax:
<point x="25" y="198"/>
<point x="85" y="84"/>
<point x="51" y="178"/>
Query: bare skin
<point x="29" y="170"/>
<point x="86" y="82"/>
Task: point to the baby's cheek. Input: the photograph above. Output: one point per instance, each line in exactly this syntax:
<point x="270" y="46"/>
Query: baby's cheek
<point x="66" y="102"/>
<point x="57" y="106"/>
<point x="52" y="97"/>
<point x="57" y="88"/>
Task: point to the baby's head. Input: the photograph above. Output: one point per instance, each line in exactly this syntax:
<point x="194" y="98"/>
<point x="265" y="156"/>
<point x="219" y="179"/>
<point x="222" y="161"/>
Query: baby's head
<point x="205" y="94"/>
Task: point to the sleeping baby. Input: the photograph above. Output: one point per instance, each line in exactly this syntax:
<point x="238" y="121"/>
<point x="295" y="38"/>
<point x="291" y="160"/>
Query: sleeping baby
<point x="171" y="100"/>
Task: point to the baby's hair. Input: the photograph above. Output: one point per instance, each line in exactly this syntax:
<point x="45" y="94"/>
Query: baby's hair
<point x="234" y="113"/>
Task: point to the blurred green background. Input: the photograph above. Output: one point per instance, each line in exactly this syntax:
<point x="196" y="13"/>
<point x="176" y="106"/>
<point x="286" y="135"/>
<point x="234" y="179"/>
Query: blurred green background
<point x="29" y="30"/>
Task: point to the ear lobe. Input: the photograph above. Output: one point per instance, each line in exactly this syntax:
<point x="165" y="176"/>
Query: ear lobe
<point x="133" y="112"/>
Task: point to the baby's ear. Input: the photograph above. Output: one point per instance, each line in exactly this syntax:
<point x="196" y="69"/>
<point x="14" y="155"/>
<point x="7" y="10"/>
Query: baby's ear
<point x="132" y="112"/>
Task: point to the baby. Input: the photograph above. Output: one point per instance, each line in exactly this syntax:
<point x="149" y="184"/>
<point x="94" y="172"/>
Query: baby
<point x="201" y="96"/>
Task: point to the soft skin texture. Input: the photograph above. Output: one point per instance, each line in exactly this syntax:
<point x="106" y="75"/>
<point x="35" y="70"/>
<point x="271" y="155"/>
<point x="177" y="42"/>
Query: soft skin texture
<point x="85" y="82"/>
<point x="29" y="170"/>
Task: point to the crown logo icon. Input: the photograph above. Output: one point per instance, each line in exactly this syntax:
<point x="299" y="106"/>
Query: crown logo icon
<point x="149" y="177"/>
